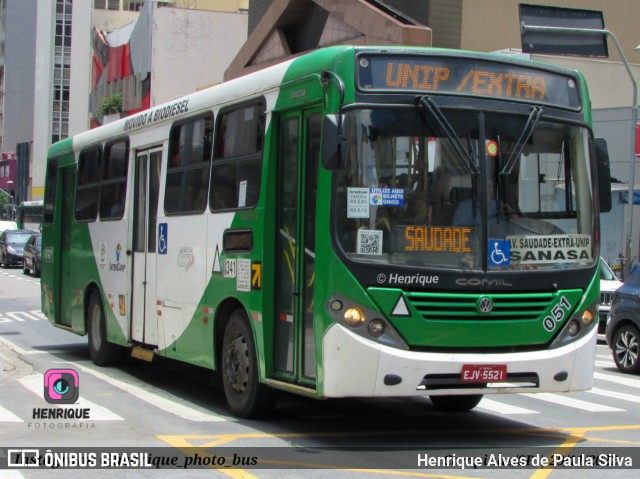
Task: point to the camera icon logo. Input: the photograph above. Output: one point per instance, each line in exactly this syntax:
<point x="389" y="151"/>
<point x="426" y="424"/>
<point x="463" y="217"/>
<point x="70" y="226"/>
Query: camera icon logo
<point x="61" y="386"/>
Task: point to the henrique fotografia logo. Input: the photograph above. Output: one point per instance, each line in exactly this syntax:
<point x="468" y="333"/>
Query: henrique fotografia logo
<point x="61" y="386"/>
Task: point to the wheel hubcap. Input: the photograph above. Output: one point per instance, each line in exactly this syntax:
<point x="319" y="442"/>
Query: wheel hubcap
<point x="237" y="364"/>
<point x="627" y="349"/>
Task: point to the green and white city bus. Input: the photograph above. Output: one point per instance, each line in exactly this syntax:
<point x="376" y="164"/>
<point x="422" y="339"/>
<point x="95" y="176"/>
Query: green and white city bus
<point x="30" y="215"/>
<point x="450" y="198"/>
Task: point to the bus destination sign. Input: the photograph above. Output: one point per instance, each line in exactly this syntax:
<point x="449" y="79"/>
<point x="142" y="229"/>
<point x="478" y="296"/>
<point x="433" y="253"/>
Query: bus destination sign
<point x="462" y="76"/>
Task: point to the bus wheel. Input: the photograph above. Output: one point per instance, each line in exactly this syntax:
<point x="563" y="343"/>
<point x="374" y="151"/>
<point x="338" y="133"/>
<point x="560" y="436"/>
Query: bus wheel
<point x="103" y="353"/>
<point x="456" y="403"/>
<point x="245" y="395"/>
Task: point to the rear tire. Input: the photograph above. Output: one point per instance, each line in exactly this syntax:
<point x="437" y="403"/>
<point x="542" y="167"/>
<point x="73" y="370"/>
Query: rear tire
<point x="246" y="396"/>
<point x="456" y="403"/>
<point x="626" y="349"/>
<point x="103" y="353"/>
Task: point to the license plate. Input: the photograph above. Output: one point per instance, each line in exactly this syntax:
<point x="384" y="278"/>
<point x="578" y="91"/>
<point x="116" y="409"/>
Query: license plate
<point x="483" y="373"/>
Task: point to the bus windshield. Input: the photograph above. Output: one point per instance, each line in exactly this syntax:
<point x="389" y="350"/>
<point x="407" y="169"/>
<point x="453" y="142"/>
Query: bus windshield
<point x="471" y="190"/>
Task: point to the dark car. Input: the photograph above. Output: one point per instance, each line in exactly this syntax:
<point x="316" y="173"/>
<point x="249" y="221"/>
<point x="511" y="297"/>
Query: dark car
<point x="31" y="260"/>
<point x="623" y="325"/>
<point x="11" y="244"/>
<point x="608" y="284"/>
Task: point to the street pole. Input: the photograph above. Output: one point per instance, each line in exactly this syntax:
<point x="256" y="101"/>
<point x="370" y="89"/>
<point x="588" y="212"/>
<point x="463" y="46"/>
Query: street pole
<point x="634" y="121"/>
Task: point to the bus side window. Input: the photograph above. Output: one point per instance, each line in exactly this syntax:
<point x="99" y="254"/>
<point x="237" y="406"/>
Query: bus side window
<point x="88" y="184"/>
<point x="187" y="180"/>
<point x="223" y="192"/>
<point x="51" y="185"/>
<point x="113" y="188"/>
<point x="236" y="171"/>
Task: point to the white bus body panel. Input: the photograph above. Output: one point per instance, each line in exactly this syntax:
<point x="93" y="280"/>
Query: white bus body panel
<point x="110" y="246"/>
<point x="354" y="366"/>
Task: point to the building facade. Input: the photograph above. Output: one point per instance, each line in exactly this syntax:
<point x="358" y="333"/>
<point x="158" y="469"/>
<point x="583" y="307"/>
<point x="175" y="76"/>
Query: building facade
<point x="59" y="85"/>
<point x="17" y="71"/>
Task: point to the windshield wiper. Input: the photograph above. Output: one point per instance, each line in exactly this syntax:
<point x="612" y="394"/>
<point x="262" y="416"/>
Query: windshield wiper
<point x="427" y="103"/>
<point x="527" y="131"/>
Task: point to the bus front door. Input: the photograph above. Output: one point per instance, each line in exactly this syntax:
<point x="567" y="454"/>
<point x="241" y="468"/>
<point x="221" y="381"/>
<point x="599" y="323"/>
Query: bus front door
<point x="299" y="145"/>
<point x="144" y="320"/>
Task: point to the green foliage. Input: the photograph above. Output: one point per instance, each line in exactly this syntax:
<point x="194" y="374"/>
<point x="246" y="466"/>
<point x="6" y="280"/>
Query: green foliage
<point x="5" y="201"/>
<point x="111" y="104"/>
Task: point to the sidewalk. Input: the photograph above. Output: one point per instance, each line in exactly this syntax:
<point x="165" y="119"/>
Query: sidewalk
<point x="12" y="366"/>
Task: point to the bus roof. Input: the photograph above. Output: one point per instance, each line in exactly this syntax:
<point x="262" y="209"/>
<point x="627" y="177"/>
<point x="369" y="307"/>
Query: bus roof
<point x="262" y="81"/>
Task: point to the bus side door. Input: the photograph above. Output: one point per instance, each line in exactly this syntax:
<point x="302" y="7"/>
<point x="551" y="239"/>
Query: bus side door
<point x="299" y="151"/>
<point x="144" y="319"/>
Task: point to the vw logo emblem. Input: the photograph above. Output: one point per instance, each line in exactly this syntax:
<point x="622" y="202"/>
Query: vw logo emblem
<point x="485" y="304"/>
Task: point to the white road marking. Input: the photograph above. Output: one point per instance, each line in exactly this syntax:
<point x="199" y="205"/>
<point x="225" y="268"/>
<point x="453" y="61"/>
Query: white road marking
<point x="501" y="408"/>
<point x="162" y="400"/>
<point x="625" y="381"/>
<point x="572" y="402"/>
<point x="8" y="416"/>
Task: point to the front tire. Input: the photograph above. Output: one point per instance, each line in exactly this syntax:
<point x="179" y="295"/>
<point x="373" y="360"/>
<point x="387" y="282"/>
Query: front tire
<point x="246" y="396"/>
<point x="103" y="353"/>
<point x="456" y="403"/>
<point x="626" y="349"/>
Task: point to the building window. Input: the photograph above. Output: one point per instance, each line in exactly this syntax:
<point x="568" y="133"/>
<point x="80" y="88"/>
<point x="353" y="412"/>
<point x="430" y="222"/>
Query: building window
<point x="64" y="7"/>
<point x="136" y="6"/>
<point x="133" y="6"/>
<point x="106" y="4"/>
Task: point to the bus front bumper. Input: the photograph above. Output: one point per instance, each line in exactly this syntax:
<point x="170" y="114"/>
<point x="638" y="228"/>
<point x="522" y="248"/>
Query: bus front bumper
<point x="354" y="366"/>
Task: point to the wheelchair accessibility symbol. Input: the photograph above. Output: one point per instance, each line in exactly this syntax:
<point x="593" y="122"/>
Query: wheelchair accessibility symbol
<point x="499" y="253"/>
<point x="163" y="232"/>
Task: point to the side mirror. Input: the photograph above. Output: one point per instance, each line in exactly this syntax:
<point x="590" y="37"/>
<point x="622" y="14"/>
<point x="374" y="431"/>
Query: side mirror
<point x="603" y="172"/>
<point x="334" y="135"/>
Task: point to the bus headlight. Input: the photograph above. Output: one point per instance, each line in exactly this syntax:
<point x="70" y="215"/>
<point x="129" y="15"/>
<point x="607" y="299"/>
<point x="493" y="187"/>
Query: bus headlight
<point x="574" y="328"/>
<point x="368" y="323"/>
<point x="588" y="316"/>
<point x="579" y="325"/>
<point x="354" y="317"/>
<point x="376" y="328"/>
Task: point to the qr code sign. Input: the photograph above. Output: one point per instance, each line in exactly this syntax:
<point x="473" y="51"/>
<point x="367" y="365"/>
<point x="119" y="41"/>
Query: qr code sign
<point x="369" y="242"/>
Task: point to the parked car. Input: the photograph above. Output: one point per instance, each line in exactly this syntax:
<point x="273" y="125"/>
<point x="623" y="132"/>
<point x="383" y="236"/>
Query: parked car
<point x="623" y="325"/>
<point x="609" y="282"/>
<point x="31" y="257"/>
<point x="11" y="245"/>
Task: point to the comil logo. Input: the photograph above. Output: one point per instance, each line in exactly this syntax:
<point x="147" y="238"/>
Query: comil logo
<point x="61" y="386"/>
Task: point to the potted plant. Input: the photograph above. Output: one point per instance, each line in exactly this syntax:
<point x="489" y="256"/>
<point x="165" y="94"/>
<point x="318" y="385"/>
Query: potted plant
<point x="111" y="107"/>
